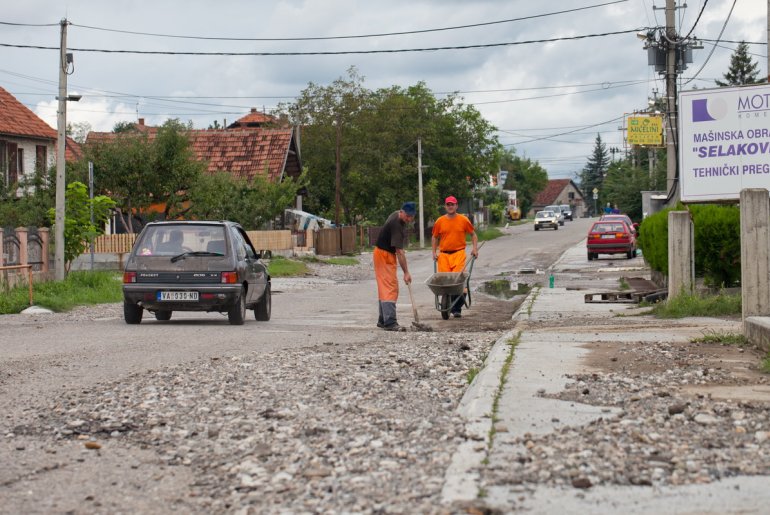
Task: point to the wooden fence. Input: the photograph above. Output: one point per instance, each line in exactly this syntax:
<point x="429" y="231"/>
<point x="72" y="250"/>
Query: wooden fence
<point x="113" y="243"/>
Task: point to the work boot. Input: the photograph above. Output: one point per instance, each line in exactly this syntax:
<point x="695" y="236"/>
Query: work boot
<point x="395" y="327"/>
<point x="457" y="314"/>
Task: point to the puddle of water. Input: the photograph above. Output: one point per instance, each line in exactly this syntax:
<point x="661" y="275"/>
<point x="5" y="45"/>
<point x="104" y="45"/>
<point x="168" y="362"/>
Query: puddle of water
<point x="501" y="288"/>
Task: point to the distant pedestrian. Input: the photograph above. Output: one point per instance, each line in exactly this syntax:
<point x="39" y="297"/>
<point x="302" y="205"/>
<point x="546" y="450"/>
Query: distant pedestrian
<point x="607" y="209"/>
<point x="615" y="210"/>
<point x="388" y="251"/>
<point x="448" y="242"/>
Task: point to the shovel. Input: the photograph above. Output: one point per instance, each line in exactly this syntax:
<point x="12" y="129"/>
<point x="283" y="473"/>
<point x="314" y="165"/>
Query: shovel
<point x="416" y="324"/>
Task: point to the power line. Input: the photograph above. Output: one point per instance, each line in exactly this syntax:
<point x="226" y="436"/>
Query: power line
<point x="715" y="45"/>
<point x="382" y="34"/>
<point x="568" y="132"/>
<point x="12" y="24"/>
<point x="340" y="52"/>
<point x="703" y="7"/>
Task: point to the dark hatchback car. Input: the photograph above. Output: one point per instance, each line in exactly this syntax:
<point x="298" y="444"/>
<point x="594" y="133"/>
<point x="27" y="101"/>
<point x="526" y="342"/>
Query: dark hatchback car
<point x="195" y="266"/>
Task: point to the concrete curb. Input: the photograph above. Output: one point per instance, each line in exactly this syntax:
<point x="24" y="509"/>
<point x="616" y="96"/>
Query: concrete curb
<point x="461" y="478"/>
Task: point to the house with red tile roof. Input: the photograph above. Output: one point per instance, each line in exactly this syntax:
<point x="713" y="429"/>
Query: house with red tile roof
<point x="27" y="143"/>
<point x="254" y="120"/>
<point x="243" y="151"/>
<point x="560" y="191"/>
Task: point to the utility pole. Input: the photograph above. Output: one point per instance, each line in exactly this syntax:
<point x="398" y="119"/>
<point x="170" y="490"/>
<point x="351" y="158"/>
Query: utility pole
<point x="61" y="117"/>
<point x="338" y="174"/>
<point x="768" y="40"/>
<point x="419" y="190"/>
<point x="672" y="185"/>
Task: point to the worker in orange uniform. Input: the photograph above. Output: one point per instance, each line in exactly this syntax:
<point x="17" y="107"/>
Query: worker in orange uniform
<point x="448" y="243"/>
<point x="389" y="250"/>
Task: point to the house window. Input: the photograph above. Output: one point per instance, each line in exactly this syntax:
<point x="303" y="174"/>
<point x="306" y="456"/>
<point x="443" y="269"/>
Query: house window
<point x="20" y="168"/>
<point x="13" y="162"/>
<point x="571" y="195"/>
<point x="41" y="159"/>
<point x="3" y="162"/>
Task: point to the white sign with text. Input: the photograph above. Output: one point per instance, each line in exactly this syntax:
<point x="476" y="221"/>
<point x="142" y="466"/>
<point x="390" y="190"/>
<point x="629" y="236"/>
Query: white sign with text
<point x="724" y="142"/>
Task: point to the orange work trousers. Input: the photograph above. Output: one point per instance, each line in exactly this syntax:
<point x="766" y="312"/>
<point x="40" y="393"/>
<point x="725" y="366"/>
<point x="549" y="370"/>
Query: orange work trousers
<point x="385" y="273"/>
<point x="454" y="262"/>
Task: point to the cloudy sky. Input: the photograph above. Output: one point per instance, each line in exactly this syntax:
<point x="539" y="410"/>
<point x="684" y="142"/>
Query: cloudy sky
<point x="528" y="70"/>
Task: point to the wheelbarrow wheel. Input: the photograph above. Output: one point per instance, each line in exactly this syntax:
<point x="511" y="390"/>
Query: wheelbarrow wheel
<point x="445" y="307"/>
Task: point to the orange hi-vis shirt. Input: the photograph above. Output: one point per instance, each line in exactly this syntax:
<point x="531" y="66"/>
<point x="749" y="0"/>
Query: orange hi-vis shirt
<point x="451" y="232"/>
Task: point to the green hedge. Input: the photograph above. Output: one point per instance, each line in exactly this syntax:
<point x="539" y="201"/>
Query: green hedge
<point x="717" y="242"/>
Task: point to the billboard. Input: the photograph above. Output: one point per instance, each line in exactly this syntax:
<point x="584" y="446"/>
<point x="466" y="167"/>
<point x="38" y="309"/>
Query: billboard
<point x="724" y="142"/>
<point x="645" y="130"/>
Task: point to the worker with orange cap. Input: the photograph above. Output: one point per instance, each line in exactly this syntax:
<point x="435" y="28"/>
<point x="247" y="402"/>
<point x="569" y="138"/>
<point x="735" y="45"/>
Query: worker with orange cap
<point x="448" y="243"/>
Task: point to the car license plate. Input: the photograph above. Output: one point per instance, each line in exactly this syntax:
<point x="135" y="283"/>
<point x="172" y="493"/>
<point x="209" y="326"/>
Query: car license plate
<point x="608" y="236"/>
<point x="178" y="296"/>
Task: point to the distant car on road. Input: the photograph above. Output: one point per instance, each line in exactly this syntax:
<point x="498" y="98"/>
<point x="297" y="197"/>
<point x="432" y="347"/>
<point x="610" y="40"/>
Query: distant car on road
<point x="625" y="218"/>
<point x="610" y="237"/>
<point x="195" y="266"/>
<point x="566" y="211"/>
<point x="546" y="219"/>
<point x="557" y="210"/>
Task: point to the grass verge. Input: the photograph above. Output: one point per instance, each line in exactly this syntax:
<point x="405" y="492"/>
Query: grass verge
<point x="699" y="306"/>
<point x="79" y="288"/>
<point x="722" y="338"/>
<point x="489" y="234"/>
<point x="282" y="267"/>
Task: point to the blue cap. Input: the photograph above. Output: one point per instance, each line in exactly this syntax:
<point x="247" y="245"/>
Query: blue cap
<point x="410" y="208"/>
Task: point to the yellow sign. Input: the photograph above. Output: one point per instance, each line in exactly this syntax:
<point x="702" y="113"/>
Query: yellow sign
<point x="645" y="130"/>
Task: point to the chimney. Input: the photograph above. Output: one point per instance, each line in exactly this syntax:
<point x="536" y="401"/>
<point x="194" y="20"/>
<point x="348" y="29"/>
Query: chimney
<point x="141" y="122"/>
<point x="253" y="109"/>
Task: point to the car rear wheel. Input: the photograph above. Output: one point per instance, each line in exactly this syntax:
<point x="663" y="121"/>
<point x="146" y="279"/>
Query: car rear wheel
<point x="264" y="306"/>
<point x="630" y="254"/>
<point x="132" y="313"/>
<point x="590" y="256"/>
<point x="237" y="312"/>
<point x="163" y="315"/>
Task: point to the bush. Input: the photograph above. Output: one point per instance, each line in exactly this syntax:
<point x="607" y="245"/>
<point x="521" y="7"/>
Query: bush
<point x="717" y="243"/>
<point x="653" y="240"/>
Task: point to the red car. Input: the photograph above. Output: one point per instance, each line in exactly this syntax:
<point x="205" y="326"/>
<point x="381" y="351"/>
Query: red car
<point x="611" y="237"/>
<point x="625" y="218"/>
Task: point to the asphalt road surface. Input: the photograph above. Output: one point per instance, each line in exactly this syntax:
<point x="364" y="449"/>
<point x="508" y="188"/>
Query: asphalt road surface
<point x="43" y="357"/>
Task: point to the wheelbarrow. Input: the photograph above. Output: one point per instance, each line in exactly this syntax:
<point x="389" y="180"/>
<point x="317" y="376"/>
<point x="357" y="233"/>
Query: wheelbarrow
<point x="444" y="285"/>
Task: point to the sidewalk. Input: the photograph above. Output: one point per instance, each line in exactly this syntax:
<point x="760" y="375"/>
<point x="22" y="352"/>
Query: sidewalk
<point x="554" y="328"/>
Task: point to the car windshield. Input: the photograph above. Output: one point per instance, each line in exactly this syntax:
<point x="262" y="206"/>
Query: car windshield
<point x="544" y="214"/>
<point x="172" y="240"/>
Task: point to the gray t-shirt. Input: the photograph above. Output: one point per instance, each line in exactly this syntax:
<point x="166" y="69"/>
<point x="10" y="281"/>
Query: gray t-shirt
<point x="393" y="234"/>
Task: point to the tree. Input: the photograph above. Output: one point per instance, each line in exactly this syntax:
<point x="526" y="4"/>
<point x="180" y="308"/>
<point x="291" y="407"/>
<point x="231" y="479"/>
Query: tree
<point x="31" y="208"/>
<point x="592" y="175"/>
<point x="78" y="131"/>
<point x="525" y="176"/>
<point x="219" y="196"/>
<point x="743" y="70"/>
<point x="624" y="185"/>
<point x="143" y="175"/>
<point x="377" y="133"/>
<point x="79" y="232"/>
<point x="174" y="167"/>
